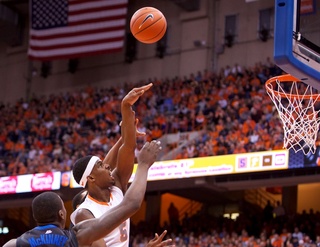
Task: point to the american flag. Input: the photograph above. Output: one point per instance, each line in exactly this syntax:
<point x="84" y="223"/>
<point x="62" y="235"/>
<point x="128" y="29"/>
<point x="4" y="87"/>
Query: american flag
<point x="64" y="29"/>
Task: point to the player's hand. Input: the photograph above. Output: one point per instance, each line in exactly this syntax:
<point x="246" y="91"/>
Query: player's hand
<point x="135" y="93"/>
<point x="138" y="133"/>
<point x="149" y="152"/>
<point x="157" y="241"/>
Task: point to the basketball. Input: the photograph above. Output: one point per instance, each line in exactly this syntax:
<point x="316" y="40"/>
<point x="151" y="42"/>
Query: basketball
<point x="148" y="25"/>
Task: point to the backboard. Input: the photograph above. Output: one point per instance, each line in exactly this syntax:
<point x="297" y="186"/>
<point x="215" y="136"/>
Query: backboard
<point x="297" y="39"/>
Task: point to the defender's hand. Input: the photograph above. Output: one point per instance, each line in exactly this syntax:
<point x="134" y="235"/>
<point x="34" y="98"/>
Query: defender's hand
<point x="157" y="241"/>
<point x="149" y="152"/>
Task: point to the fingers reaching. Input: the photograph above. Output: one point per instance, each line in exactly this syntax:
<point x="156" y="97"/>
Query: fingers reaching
<point x="140" y="90"/>
<point x="135" y="93"/>
<point x="155" y="145"/>
<point x="144" y="88"/>
<point x="157" y="241"/>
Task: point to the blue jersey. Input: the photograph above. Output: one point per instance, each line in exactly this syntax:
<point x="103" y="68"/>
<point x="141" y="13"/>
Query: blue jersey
<point x="48" y="235"/>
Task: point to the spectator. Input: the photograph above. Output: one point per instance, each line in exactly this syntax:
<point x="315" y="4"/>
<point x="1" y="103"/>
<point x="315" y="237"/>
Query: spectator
<point x="183" y="154"/>
<point x="3" y="168"/>
<point x="268" y="212"/>
<point x="173" y="214"/>
<point x="279" y="211"/>
<point x="297" y="234"/>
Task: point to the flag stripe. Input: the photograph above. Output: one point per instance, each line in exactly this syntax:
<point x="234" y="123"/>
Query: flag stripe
<point x="85" y="15"/>
<point x="91" y="26"/>
<point x="65" y="31"/>
<point x="82" y="43"/>
<point x="80" y="49"/>
<point x="96" y="9"/>
<point x="53" y="56"/>
<point x="94" y="20"/>
<point x="78" y="39"/>
<point x="85" y="4"/>
<point x="80" y="33"/>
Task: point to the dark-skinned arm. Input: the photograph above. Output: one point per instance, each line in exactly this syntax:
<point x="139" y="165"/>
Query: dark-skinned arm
<point x="126" y="155"/>
<point x="112" y="155"/>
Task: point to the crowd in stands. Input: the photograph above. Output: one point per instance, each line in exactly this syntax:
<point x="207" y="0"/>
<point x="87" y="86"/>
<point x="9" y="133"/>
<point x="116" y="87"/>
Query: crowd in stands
<point x="250" y="229"/>
<point x="232" y="108"/>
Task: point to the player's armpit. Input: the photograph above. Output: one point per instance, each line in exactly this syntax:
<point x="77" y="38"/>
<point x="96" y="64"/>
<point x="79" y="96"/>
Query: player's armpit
<point x="83" y="214"/>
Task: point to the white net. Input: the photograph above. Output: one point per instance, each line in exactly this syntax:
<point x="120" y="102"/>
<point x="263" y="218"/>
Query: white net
<point x="298" y="108"/>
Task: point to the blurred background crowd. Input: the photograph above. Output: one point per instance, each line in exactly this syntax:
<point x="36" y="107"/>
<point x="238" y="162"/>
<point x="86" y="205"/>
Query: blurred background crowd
<point x="255" y="227"/>
<point x="231" y="111"/>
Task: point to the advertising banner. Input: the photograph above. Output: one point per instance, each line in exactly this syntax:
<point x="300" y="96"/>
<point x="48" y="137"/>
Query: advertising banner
<point x="30" y="183"/>
<point x="209" y="166"/>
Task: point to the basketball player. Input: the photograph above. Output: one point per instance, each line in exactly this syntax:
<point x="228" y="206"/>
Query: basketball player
<point x="106" y="186"/>
<point x="79" y="198"/>
<point x="50" y="214"/>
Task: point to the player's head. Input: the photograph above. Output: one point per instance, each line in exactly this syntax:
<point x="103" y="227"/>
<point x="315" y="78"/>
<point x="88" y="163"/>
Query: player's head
<point x="82" y="169"/>
<point x="90" y="172"/>
<point x="48" y="208"/>
<point x="79" y="198"/>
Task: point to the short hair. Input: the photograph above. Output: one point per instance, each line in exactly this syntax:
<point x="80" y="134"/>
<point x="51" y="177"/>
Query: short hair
<point x="45" y="207"/>
<point x="79" y="167"/>
<point x="79" y="198"/>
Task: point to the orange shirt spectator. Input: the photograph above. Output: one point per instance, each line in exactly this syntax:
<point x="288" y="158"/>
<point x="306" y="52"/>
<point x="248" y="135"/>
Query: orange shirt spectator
<point x="19" y="146"/>
<point x="3" y="136"/>
<point x="161" y="120"/>
<point x="156" y="132"/>
<point x="22" y="169"/>
<point x="12" y="168"/>
<point x="200" y="121"/>
<point x="276" y="241"/>
<point x="9" y="145"/>
<point x="183" y="154"/>
<point x="48" y="147"/>
<point x="239" y="149"/>
<point x="278" y="145"/>
<point x="255" y="81"/>
<point x="90" y="114"/>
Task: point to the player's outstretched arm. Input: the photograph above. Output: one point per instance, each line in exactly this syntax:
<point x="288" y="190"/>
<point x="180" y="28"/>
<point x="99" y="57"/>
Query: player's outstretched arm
<point x="91" y="230"/>
<point x="126" y="155"/>
<point x="112" y="155"/>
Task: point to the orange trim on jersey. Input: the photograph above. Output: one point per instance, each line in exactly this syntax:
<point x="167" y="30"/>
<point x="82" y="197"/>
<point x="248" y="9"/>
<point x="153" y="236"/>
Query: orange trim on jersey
<point x="96" y="201"/>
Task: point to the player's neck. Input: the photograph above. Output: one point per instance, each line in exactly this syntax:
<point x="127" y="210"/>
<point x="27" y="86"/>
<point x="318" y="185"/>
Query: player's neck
<point x="100" y="195"/>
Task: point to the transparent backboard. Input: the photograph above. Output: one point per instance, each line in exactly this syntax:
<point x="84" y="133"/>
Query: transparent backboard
<point x="297" y="39"/>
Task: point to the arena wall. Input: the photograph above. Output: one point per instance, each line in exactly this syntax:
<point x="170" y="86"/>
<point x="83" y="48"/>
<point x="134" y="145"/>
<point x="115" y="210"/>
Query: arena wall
<point x="195" y="41"/>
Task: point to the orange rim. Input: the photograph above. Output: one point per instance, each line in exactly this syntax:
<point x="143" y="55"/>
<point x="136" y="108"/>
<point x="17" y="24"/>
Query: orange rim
<point x="287" y="79"/>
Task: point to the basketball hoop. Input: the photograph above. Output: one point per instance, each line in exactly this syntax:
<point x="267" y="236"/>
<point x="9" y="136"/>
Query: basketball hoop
<point x="296" y="104"/>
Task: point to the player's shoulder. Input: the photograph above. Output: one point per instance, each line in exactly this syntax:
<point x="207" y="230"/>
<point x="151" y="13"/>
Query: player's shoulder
<point x="11" y="243"/>
<point x="83" y="212"/>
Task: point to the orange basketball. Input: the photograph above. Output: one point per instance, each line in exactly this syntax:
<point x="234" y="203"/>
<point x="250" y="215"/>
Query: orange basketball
<point x="148" y="25"/>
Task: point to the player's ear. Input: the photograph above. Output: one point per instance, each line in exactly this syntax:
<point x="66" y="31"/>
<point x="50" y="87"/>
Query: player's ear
<point x="90" y="178"/>
<point x="61" y="214"/>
